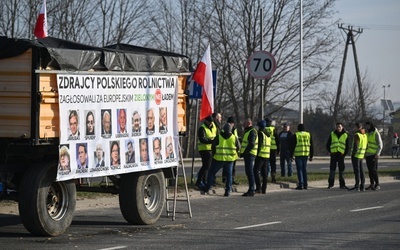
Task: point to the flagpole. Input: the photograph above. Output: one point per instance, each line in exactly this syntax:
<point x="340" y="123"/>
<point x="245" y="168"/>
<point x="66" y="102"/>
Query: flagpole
<point x="194" y="140"/>
<point x="301" y="65"/>
<point x="261" y="81"/>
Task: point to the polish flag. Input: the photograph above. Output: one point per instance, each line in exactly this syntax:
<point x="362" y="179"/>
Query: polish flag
<point x="41" y="23"/>
<point x="203" y="76"/>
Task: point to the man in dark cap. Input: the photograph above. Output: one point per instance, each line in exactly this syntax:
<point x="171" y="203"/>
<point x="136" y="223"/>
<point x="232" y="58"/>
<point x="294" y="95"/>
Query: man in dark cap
<point x="225" y="149"/>
<point x="302" y="149"/>
<point x="206" y="134"/>
<point x="261" y="162"/>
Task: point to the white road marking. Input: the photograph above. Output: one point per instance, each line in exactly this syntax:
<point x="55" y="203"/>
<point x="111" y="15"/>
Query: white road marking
<point x="367" y="208"/>
<point x="113" y="248"/>
<point x="260" y="225"/>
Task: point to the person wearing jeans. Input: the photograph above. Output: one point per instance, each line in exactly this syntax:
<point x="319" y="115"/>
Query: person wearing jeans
<point x="224" y="149"/>
<point x="360" y="142"/>
<point x="284" y="138"/>
<point x="302" y="149"/>
<point x="249" y="151"/>
<point x="262" y="158"/>
<point x="301" y="167"/>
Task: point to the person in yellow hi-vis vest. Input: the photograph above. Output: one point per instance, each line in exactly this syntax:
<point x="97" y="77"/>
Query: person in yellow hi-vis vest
<point x="231" y="121"/>
<point x="249" y="151"/>
<point x="302" y="149"/>
<point x="374" y="149"/>
<point x="225" y="149"/>
<point x="338" y="146"/>
<point x="262" y="158"/>
<point x="360" y="142"/>
<point x="206" y="134"/>
<point x="273" y="134"/>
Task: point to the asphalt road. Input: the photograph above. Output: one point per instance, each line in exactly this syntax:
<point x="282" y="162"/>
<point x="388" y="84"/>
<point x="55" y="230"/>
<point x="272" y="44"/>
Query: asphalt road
<point x="317" y="218"/>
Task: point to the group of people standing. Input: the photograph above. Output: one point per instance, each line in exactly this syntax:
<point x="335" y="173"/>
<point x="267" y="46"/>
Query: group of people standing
<point x="220" y="147"/>
<point x="367" y="143"/>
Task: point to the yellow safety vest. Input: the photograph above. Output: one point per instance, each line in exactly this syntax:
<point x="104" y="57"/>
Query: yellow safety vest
<point x="338" y="144"/>
<point x="372" y="147"/>
<point x="245" y="142"/>
<point x="210" y="134"/>
<point x="271" y="130"/>
<point x="362" y="145"/>
<point x="226" y="149"/>
<point x="265" y="147"/>
<point x="303" y="143"/>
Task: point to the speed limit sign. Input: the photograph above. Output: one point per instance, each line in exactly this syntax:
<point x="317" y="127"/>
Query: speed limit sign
<point x="261" y="65"/>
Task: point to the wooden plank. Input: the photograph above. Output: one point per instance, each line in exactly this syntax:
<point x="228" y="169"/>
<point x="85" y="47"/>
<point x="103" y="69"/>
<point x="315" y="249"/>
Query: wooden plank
<point x="21" y="63"/>
<point x="15" y="96"/>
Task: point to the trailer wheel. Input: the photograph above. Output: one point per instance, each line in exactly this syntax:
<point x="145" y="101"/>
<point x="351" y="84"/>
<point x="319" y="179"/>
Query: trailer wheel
<point x="46" y="207"/>
<point x="142" y="197"/>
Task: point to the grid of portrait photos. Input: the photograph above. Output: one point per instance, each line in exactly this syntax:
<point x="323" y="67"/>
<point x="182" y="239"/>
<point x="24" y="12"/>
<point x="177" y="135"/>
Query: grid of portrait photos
<point x="110" y="137"/>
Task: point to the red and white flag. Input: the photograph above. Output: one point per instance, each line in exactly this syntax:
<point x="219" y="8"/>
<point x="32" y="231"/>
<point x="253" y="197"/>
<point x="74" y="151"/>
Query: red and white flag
<point x="203" y="76"/>
<point x="41" y="23"/>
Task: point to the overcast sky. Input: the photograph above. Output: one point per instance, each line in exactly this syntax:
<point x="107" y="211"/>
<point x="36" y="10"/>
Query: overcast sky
<point x="378" y="47"/>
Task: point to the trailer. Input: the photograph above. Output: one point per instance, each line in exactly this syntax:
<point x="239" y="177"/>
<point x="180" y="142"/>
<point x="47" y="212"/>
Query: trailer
<point x="71" y="113"/>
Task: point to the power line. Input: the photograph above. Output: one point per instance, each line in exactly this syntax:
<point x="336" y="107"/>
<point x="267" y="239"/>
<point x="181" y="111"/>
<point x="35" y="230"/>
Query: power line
<point x="375" y="26"/>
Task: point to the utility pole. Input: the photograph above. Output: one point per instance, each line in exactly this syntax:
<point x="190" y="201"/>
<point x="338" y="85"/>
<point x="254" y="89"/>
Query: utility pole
<point x="351" y="33"/>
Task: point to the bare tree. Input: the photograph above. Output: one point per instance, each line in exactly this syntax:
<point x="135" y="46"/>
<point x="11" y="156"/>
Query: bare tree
<point x="234" y="30"/>
<point x="12" y="18"/>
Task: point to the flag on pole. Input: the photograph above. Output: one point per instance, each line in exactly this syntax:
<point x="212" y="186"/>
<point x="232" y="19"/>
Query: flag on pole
<point x="41" y="23"/>
<point x="203" y="76"/>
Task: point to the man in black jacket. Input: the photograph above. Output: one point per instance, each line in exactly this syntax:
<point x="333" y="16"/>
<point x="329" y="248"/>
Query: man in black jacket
<point x="284" y="151"/>
<point x="338" y="147"/>
<point x="206" y="134"/>
<point x="248" y="151"/>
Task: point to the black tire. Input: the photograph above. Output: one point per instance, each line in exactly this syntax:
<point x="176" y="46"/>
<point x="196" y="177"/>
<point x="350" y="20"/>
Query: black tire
<point x="46" y="207"/>
<point x="142" y="197"/>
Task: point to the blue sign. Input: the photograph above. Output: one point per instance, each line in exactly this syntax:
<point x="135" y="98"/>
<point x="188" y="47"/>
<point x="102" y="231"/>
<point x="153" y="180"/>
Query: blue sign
<point x="196" y="90"/>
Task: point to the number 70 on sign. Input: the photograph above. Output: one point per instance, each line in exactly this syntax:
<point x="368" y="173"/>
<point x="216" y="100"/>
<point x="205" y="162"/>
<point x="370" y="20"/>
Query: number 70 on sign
<point x="261" y="65"/>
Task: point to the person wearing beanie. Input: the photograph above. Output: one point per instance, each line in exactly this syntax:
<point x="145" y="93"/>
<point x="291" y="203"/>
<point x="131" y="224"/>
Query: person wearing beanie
<point x="302" y="149"/>
<point x="249" y="151"/>
<point x="271" y="131"/>
<point x="284" y="138"/>
<point x="338" y="146"/>
<point x="205" y="134"/>
<point x="374" y="149"/>
<point x="225" y="149"/>
<point x="231" y="121"/>
<point x="262" y="158"/>
<point x="358" y="149"/>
